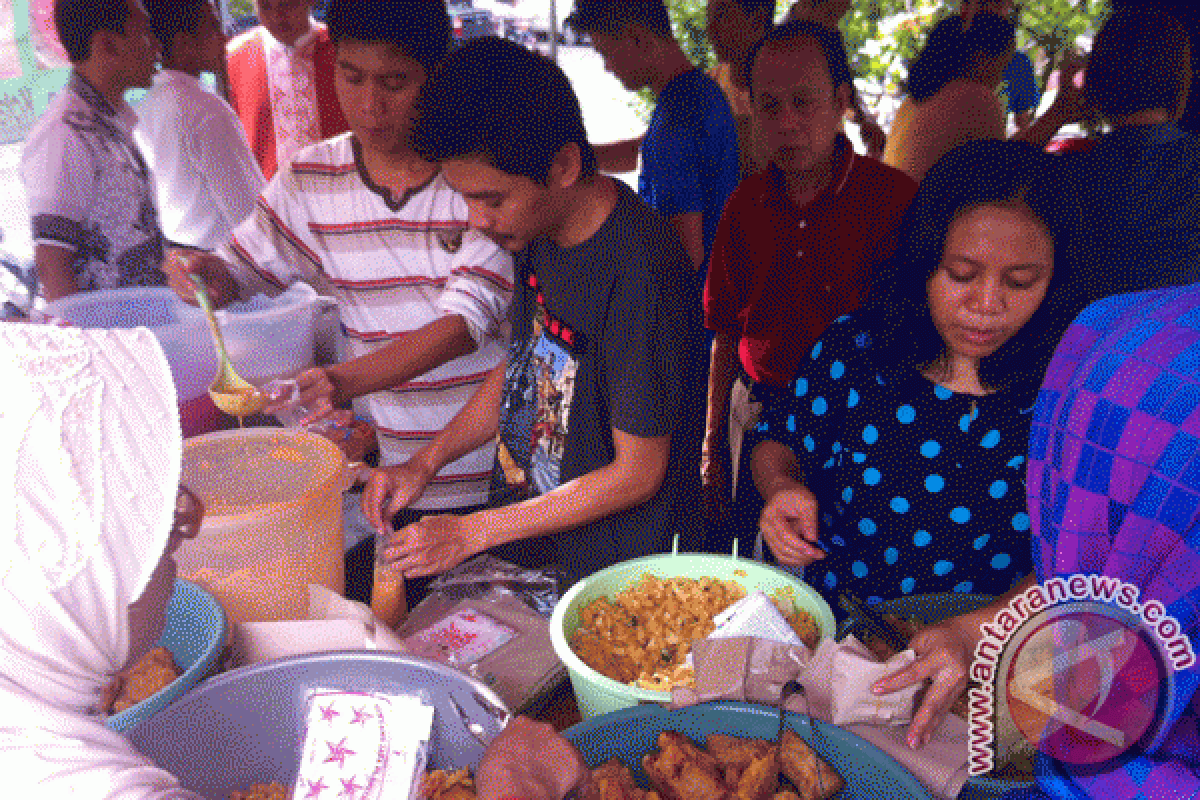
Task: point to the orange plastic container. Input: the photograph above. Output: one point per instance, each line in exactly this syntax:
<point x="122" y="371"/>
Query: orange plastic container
<point x="272" y="521"/>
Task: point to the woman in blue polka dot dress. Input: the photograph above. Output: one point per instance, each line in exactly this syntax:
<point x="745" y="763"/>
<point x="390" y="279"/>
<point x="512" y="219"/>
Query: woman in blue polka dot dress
<point x="896" y="466"/>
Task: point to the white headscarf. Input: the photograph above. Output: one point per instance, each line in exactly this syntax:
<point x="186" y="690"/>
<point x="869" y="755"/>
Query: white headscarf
<point x="90" y="449"/>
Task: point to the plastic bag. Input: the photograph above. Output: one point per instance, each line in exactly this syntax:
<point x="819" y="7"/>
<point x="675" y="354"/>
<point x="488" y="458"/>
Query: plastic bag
<point x="537" y="588"/>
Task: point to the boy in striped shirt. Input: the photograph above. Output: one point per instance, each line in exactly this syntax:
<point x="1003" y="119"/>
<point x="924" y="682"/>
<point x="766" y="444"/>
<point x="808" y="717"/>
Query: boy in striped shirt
<point x="361" y="217"/>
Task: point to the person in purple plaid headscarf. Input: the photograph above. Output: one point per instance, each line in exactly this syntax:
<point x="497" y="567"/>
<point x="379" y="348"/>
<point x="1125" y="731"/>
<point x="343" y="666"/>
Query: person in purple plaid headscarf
<point x="1114" y="490"/>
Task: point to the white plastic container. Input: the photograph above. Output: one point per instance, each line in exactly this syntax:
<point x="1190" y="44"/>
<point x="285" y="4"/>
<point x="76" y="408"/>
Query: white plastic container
<point x="266" y="338"/>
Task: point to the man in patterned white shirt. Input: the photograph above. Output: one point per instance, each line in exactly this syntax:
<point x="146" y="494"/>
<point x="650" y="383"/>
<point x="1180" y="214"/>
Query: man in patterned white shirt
<point x="281" y="82"/>
<point x="423" y="301"/>
<point x="91" y="196"/>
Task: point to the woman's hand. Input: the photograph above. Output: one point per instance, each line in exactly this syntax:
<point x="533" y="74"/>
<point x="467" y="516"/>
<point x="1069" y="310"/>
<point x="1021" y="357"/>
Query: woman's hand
<point x="530" y="760"/>
<point x="392" y="489"/>
<point x="789" y="525"/>
<point x="943" y="658"/>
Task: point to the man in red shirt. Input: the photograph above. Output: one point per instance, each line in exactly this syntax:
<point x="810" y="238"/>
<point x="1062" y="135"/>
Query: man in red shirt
<point x="797" y="244"/>
<point x="281" y="82"/>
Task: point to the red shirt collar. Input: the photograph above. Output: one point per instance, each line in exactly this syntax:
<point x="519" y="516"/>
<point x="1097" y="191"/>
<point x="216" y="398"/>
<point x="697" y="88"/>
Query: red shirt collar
<point x="774" y="188"/>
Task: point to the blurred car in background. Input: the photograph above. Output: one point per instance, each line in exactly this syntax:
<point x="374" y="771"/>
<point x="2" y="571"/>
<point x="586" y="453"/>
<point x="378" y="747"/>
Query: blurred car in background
<point x="469" y="23"/>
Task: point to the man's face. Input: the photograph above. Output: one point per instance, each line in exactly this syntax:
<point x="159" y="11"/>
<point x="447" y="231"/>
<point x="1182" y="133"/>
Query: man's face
<point x="623" y="59"/>
<point x="510" y="209"/>
<point x="730" y="30"/>
<point x="210" y="40"/>
<point x="796" y="108"/>
<point x="377" y="86"/>
<point x="286" y="20"/>
<point x="138" y="50"/>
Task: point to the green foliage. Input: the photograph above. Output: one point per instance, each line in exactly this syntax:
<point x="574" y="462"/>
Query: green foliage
<point x="882" y="36"/>
<point x="239" y="9"/>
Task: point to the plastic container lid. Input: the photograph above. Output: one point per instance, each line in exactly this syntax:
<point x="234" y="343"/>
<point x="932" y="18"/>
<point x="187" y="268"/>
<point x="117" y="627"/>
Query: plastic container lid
<point x="288" y="467"/>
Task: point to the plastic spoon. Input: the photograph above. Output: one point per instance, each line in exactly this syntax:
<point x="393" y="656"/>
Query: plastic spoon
<point x="229" y="391"/>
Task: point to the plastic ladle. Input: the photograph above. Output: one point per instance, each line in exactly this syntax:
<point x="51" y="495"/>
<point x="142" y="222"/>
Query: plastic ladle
<point x="229" y="391"/>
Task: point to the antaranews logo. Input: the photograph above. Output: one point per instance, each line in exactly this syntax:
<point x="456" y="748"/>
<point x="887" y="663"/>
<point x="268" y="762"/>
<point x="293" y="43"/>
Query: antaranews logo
<point x="1079" y="667"/>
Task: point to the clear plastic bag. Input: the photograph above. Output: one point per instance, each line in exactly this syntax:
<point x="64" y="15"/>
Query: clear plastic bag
<point x="537" y="588"/>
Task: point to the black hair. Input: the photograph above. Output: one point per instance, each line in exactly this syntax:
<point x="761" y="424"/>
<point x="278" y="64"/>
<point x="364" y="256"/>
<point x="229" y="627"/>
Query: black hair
<point x="171" y="17"/>
<point x="980" y="173"/>
<point x="610" y="16"/>
<point x="830" y="41"/>
<point x="418" y="28"/>
<point x="950" y="51"/>
<point x="1141" y="60"/>
<point x="753" y="8"/>
<point x="77" y="21"/>
<point x="500" y="101"/>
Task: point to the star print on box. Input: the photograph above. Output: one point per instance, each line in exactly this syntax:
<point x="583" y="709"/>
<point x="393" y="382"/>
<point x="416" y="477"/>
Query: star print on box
<point x="363" y="746"/>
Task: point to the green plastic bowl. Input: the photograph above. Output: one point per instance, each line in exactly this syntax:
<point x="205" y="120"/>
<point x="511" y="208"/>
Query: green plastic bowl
<point x="597" y="694"/>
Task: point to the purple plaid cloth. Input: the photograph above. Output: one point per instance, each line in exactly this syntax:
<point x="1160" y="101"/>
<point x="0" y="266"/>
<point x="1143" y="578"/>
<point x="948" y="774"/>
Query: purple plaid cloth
<point x="1114" y="489"/>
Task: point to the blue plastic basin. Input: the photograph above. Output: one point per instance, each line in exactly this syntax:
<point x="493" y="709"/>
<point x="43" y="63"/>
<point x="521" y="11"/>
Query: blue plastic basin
<point x="195" y="633"/>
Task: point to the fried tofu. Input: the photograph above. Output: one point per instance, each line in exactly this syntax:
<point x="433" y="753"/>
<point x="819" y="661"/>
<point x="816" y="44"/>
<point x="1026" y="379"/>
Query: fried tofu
<point x="751" y="766"/>
<point x="681" y="771"/>
<point x="614" y="781"/>
<point x="812" y="776"/>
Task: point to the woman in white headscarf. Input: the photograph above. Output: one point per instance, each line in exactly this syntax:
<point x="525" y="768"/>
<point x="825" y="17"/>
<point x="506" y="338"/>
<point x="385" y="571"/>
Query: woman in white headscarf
<point x="90" y="449"/>
<point x="90" y="512"/>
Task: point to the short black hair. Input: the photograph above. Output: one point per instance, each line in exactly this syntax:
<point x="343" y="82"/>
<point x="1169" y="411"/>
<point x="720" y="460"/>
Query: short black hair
<point x="1141" y="60"/>
<point x="758" y="7"/>
<point x="610" y="16"/>
<point x="418" y="28"/>
<point x="981" y="173"/>
<point x="949" y="50"/>
<point x="77" y="21"/>
<point x="502" y="102"/>
<point x="830" y="41"/>
<point x="171" y="17"/>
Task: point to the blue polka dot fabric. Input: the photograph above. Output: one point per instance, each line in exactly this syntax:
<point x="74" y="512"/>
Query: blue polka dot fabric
<point x="920" y="489"/>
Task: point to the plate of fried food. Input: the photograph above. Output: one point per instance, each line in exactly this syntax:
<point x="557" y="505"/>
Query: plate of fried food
<point x="186" y="654"/>
<point x="731" y="751"/>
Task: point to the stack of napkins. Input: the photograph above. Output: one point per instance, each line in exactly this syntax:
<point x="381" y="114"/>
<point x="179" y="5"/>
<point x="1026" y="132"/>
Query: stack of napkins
<point x="364" y="746"/>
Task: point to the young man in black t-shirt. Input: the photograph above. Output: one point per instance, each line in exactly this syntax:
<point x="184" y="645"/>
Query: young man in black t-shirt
<point x="600" y="408"/>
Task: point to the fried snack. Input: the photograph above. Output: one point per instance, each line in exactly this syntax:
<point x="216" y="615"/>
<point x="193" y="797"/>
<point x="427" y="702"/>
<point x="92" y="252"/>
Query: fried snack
<point x="440" y="784"/>
<point x="802" y="766"/>
<point x="263" y="791"/>
<point x="682" y="771"/>
<point x="760" y="779"/>
<point x="152" y="672"/>
<point x="614" y="781"/>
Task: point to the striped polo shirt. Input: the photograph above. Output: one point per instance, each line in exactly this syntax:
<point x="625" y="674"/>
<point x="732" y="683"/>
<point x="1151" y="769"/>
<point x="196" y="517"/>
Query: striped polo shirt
<point x="393" y="265"/>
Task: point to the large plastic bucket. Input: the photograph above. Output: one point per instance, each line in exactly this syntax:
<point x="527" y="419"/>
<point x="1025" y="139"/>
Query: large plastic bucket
<point x="272" y="521"/>
<point x="597" y="694"/>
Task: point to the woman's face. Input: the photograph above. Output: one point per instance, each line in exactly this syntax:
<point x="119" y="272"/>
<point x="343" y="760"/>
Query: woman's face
<point x="148" y="614"/>
<point x="995" y="269"/>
